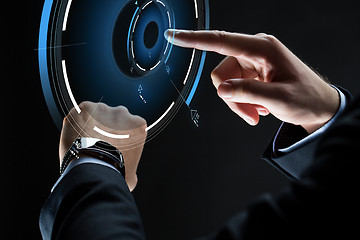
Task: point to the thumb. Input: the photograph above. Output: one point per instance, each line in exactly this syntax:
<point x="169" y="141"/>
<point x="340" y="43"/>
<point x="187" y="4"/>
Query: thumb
<point x="251" y="91"/>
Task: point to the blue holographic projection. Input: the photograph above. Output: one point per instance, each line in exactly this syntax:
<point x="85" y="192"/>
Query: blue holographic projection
<point x="125" y="61"/>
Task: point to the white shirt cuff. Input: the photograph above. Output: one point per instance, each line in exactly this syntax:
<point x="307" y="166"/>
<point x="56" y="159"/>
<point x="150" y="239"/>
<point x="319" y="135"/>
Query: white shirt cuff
<point x="315" y="134"/>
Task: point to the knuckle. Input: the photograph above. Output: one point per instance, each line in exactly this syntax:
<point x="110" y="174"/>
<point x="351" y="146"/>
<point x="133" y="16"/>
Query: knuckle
<point x="270" y="41"/>
<point x="121" y="114"/>
<point x="220" y="36"/>
<point x="84" y="105"/>
<point x="215" y="74"/>
<point x="101" y="106"/>
<point x="65" y="120"/>
<point x="268" y="38"/>
<point x="260" y="34"/>
<point x="121" y="109"/>
<point x="140" y="121"/>
<point x="272" y="46"/>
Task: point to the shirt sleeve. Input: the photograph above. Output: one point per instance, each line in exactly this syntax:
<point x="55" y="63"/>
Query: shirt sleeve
<point x="292" y="149"/>
<point x="322" y="204"/>
<point x="290" y="137"/>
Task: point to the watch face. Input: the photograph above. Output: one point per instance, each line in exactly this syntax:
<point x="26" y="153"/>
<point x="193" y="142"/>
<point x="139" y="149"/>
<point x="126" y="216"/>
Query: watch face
<point x="115" y="52"/>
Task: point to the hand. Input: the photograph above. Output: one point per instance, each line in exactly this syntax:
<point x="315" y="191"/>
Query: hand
<point x="115" y="123"/>
<point x="261" y="76"/>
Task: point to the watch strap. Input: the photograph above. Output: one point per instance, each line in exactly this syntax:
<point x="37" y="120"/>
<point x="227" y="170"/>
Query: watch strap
<point x="100" y="150"/>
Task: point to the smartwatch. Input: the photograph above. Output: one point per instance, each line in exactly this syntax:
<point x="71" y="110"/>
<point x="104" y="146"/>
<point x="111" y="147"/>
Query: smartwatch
<point x="96" y="148"/>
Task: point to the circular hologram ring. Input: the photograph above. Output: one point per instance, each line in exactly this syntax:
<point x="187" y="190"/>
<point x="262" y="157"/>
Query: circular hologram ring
<point x="145" y="45"/>
<point x="114" y="52"/>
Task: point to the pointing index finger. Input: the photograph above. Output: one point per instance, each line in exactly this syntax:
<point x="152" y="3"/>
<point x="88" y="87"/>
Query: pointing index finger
<point x="225" y="43"/>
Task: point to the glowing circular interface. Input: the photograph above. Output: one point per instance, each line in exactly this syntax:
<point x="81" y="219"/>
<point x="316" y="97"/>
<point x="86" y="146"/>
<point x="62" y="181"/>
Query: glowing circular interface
<point x="145" y="48"/>
<point x="114" y="52"/>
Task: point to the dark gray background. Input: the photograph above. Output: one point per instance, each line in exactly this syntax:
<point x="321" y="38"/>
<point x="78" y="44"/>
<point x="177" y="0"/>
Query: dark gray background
<point x="191" y="180"/>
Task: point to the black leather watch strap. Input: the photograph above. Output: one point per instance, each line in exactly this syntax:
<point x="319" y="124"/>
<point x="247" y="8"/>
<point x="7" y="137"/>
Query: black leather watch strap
<point x="100" y="150"/>
<point x="104" y="156"/>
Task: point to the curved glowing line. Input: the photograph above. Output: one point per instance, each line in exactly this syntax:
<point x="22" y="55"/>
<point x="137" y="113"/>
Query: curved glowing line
<point x="162" y="116"/>
<point x="167" y="12"/>
<point x="131" y="24"/>
<point x="191" y="63"/>
<point x="203" y="56"/>
<point x="161" y="3"/>
<point x="146" y="5"/>
<point x="196" y="9"/>
<point x="66" y="15"/>
<point x="110" y="135"/>
<point x="43" y="69"/>
<point x="155" y="66"/>
<point x="76" y="106"/>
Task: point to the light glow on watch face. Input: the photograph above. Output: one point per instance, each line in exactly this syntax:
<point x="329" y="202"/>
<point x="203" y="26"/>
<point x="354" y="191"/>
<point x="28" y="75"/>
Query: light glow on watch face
<point x="114" y="52"/>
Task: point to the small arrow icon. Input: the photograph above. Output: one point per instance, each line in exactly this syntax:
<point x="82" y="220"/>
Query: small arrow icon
<point x="195" y="116"/>
<point x="140" y="88"/>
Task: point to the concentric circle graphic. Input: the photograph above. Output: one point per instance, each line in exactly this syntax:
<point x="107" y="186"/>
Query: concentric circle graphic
<point x="114" y="52"/>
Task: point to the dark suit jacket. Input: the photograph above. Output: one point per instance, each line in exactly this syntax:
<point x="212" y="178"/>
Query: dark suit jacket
<point x="93" y="201"/>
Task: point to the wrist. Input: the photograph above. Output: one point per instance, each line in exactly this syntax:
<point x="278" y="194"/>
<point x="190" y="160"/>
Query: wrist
<point x="330" y="107"/>
<point x="310" y="128"/>
<point x="95" y="148"/>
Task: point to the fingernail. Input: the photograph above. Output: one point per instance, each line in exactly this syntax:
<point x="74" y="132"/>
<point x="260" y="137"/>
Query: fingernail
<point x="225" y="90"/>
<point x="250" y="121"/>
<point x="170" y="36"/>
<point x="263" y="111"/>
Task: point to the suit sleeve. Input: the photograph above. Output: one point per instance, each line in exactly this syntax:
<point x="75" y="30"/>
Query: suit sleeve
<point x="91" y="202"/>
<point x="322" y="204"/>
<point x="291" y="150"/>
